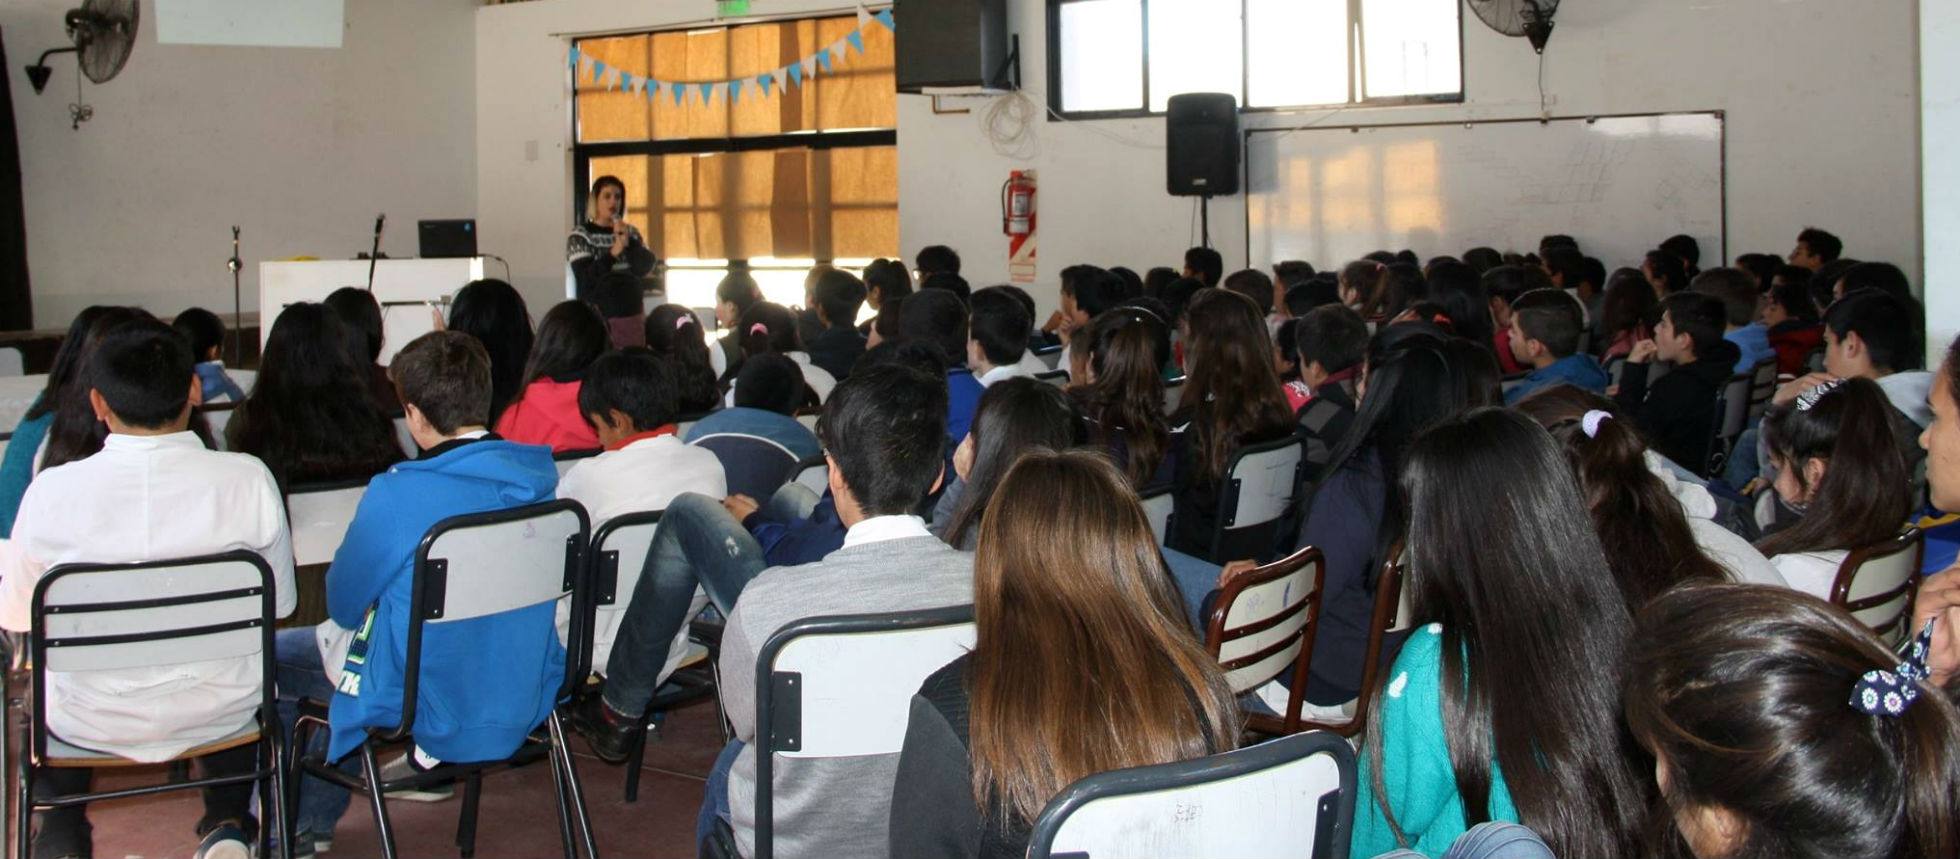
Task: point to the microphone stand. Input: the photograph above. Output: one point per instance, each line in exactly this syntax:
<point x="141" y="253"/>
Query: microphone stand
<point x="237" y="337"/>
<point x="374" y="256"/>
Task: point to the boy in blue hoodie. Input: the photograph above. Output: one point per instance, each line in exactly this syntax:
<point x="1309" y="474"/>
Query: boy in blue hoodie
<point x="485" y="683"/>
<point x="1545" y="328"/>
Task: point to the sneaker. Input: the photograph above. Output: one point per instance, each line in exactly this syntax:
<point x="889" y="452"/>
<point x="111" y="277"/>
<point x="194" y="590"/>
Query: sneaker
<point x="225" y="842"/>
<point x="610" y="734"/>
<point x="402" y="767"/>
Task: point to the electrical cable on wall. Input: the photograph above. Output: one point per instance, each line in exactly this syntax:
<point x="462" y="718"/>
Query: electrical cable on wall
<point x="1009" y="123"/>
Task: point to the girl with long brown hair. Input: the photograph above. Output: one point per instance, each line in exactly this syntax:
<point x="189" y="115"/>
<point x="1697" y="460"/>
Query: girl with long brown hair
<point x="1082" y="663"/>
<point x="1121" y="392"/>
<point x="1231" y="398"/>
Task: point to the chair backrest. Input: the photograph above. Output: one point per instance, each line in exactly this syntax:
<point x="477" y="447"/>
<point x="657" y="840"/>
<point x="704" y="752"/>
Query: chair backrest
<point x="812" y="472"/>
<point x="1616" y="366"/>
<point x="685" y="423"/>
<point x="218" y="416"/>
<point x="1050" y="355"/>
<point x="319" y="514"/>
<point x="754" y="465"/>
<point x="1157" y="505"/>
<point x="1876" y="583"/>
<point x="114" y="617"/>
<point x="564" y="460"/>
<point x="618" y="552"/>
<point x="11" y="362"/>
<point x="1814" y="362"/>
<point x="1394" y="614"/>
<point x="808" y="418"/>
<point x="1262" y="482"/>
<point x="1737" y="396"/>
<point x="500" y="561"/>
<point x="406" y="439"/>
<point x="1058" y="378"/>
<point x="1762" y="387"/>
<point x="1173" y="390"/>
<point x="1292" y="797"/>
<point x="1262" y="626"/>
<point x="842" y="686"/>
<point x="1508" y="382"/>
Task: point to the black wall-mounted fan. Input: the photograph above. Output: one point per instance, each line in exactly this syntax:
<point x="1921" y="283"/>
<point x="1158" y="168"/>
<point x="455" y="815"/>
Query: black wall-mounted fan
<point x="103" y="33"/>
<point x="1531" y="19"/>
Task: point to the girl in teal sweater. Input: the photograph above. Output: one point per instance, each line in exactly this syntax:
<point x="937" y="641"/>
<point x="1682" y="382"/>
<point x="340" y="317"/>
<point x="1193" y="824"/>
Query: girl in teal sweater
<point x="1504" y="706"/>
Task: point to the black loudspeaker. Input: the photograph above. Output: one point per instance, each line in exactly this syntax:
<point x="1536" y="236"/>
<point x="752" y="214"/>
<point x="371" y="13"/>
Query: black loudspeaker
<point x="1201" y="132"/>
<point x="951" y="43"/>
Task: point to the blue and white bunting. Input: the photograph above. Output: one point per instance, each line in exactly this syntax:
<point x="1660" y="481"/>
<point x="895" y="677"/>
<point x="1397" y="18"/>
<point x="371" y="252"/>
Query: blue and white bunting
<point x="767" y="84"/>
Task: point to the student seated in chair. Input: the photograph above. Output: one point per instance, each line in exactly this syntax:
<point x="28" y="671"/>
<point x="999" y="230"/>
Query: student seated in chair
<point x="837" y="295"/>
<point x="1741" y="305"/>
<point x="768" y="393"/>
<point x="1545" y="329"/>
<point x="485" y="683"/>
<point x="1677" y="411"/>
<point x="628" y="398"/>
<point x="997" y="338"/>
<point x="153" y="493"/>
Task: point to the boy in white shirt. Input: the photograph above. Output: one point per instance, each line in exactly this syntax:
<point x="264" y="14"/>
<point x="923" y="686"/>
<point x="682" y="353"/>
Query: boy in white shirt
<point x="153" y="493"/>
<point x="629" y="398"/>
<point x="997" y="336"/>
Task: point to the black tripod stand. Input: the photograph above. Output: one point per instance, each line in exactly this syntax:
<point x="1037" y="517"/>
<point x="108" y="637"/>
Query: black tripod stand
<point x="236" y="315"/>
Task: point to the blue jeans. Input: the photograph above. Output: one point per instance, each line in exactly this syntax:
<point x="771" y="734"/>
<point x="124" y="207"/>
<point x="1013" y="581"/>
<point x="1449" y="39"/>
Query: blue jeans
<point x="1493" y="840"/>
<point x="714" y="800"/>
<point x="698" y="543"/>
<point x="1196" y="578"/>
<point x="300" y="674"/>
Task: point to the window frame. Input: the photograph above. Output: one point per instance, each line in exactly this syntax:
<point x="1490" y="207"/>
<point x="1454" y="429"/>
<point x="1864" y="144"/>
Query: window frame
<point x="583" y="153"/>
<point x="1060" y="112"/>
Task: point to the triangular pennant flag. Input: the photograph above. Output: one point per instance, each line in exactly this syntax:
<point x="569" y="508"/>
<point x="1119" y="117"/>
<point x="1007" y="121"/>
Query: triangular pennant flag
<point x="598" y="71"/>
<point x="764" y="80"/>
<point x="573" y="58"/>
<point x="795" y="72"/>
<point x="864" y="17"/>
<point x="652" y="88"/>
<point x="837" y="52"/>
<point x="885" y="18"/>
<point x="809" y="67"/>
<point x="735" y="90"/>
<point x="633" y="84"/>
<point x="856" y="39"/>
<point x="679" y="91"/>
<point x="625" y="81"/>
<point x="823" y="56"/>
<point x="707" y="93"/>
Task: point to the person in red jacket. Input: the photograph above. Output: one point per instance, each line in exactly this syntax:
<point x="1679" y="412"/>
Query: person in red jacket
<point x="1794" y="331"/>
<point x="546" y="412"/>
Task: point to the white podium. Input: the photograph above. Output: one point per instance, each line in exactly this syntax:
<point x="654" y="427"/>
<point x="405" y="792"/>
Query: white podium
<point x="408" y="290"/>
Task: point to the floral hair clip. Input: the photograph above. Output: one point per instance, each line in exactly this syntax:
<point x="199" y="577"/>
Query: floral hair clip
<point x="1889" y="693"/>
<point x="1808" y="399"/>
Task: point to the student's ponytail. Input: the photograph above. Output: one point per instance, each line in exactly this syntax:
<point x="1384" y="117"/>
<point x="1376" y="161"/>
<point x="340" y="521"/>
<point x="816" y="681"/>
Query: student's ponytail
<point x="1866" y="493"/>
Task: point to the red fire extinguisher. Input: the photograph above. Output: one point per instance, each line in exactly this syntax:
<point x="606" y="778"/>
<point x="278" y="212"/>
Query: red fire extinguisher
<point x="1017" y="203"/>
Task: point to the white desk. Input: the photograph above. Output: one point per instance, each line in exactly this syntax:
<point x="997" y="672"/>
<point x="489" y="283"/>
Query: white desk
<point x="410" y="291"/>
<point x="17" y="394"/>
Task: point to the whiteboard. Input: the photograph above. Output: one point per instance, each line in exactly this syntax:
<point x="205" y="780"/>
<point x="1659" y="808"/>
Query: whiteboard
<point x="266" y="23"/>
<point x="1620" y="185"/>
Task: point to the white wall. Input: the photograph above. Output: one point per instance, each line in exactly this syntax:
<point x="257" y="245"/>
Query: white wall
<point x="300" y="147"/>
<point x="1821" y="98"/>
<point x="1939" y="123"/>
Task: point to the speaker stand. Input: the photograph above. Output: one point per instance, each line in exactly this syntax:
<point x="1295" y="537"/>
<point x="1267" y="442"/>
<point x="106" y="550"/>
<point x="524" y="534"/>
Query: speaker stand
<point x="1204" y="220"/>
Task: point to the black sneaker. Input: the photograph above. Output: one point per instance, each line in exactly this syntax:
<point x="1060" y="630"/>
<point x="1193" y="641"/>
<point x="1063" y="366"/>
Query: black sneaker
<point x="610" y="734"/>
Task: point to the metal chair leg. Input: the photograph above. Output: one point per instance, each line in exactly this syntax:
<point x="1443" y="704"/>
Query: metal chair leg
<point x="634" y="760"/>
<point x="371" y="773"/>
<point x="578" y="793"/>
<point x="564" y="802"/>
<point x="24" y="806"/>
<point x="466" y="822"/>
<point x="721" y="713"/>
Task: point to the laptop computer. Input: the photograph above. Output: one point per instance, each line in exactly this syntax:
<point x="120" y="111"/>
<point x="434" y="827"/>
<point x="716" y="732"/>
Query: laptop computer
<point x="448" y="239"/>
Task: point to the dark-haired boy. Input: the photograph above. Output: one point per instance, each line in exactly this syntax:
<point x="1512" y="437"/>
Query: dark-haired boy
<point x="1544" y="335"/>
<point x="1333" y="340"/>
<point x="937" y="318"/>
<point x="837" y="295"/>
<point x="153" y="493"/>
<point x="1204" y="265"/>
<point x="1741" y="303"/>
<point x="997" y="336"/>
<point x="1815" y="248"/>
<point x="206" y="334"/>
<point x="1678" y="410"/>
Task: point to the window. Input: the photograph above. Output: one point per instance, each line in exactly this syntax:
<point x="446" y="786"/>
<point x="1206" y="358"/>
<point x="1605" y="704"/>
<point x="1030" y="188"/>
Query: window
<point x="772" y="184"/>
<point x="1128" y="57"/>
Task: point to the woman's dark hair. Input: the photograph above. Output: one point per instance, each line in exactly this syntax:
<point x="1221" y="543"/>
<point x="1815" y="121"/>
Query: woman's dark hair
<point x="1483" y="259"/>
<point x="1127" y="351"/>
<point x="1866" y="493"/>
<point x="1399" y="286"/>
<point x="674" y="334"/>
<point x="1156" y="279"/>
<point x="1177" y="296"/>
<point x="1232" y="394"/>
<point x="1506" y="282"/>
<point x="310" y="416"/>
<point x="771" y="382"/>
<point x="1286" y="340"/>
<point x="493" y="313"/>
<point x="887" y="279"/>
<point x="1670" y="270"/>
<point x="360" y="317"/>
<point x="1648" y="541"/>
<point x="1628" y="305"/>
<point x="74" y="433"/>
<point x="1522" y="591"/>
<point x="68" y="359"/>
<point x="1364" y="277"/>
<point x="592" y="205"/>
<point x="1013" y="417"/>
<point x="571" y="336"/>
<point x="1741" y="693"/>
<point x="1795" y="300"/>
<point x="1460" y="291"/>
<point x="767" y="327"/>
<point x="1479" y="380"/>
<point x="1762" y="267"/>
